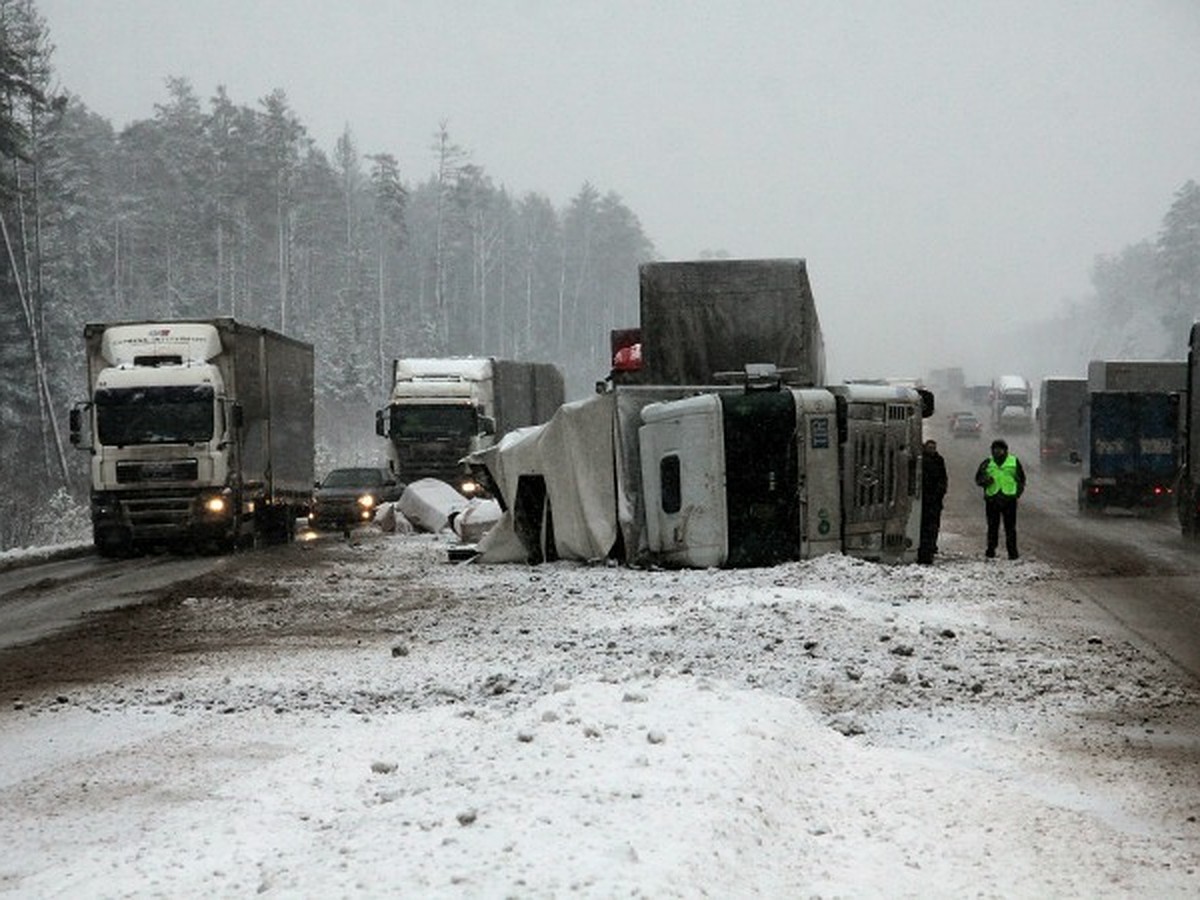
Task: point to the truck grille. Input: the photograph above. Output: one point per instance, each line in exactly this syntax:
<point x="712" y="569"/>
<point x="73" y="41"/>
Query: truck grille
<point x="441" y="462"/>
<point x="155" y="470"/>
<point x="160" y="514"/>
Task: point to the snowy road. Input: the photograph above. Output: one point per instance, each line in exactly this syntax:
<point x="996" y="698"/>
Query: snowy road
<point x="1139" y="569"/>
<point x="38" y="600"/>
<point x="357" y="719"/>
<point x="362" y="718"/>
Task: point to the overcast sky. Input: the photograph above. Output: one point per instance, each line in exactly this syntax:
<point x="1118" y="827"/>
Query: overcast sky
<point x="944" y="166"/>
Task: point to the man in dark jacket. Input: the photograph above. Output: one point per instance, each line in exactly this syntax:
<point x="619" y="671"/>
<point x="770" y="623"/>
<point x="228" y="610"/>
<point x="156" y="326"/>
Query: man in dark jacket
<point x="1003" y="481"/>
<point x="934" y="482"/>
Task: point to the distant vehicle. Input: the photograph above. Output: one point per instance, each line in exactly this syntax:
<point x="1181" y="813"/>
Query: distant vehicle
<point x="1060" y="419"/>
<point x="1016" y="418"/>
<point x="966" y="425"/>
<point x="1131" y="434"/>
<point x="348" y="497"/>
<point x="1131" y="447"/>
<point x="1012" y="403"/>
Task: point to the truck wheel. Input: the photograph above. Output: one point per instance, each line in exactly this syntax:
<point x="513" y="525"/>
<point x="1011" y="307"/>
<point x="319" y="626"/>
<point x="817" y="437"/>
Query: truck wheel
<point x="1088" y="507"/>
<point x="272" y="525"/>
<point x="112" y="544"/>
<point x="1189" y="525"/>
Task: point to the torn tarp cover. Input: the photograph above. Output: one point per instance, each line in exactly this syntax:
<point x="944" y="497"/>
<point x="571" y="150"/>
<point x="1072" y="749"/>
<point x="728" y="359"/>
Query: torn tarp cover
<point x="572" y="456"/>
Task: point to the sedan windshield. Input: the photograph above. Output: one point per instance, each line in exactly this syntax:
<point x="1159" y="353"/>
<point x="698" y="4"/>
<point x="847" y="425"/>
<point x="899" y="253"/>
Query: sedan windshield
<point x="154" y="415"/>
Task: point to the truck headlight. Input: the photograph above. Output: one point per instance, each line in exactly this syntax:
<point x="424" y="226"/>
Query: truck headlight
<point x="216" y="505"/>
<point x="366" y="501"/>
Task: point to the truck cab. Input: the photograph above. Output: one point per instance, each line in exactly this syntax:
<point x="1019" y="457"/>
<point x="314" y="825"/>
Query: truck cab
<point x="762" y="477"/>
<point x="440" y="412"/>
<point x="443" y="410"/>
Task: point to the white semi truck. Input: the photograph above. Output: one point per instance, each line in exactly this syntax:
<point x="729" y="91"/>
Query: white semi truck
<point x="1012" y="403"/>
<point x="200" y="434"/>
<point x="715" y="443"/>
<point x="441" y="410"/>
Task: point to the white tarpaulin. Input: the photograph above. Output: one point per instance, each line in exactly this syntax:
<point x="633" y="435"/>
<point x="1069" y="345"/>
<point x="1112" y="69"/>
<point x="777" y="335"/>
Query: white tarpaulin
<point x="558" y="484"/>
<point x="429" y="503"/>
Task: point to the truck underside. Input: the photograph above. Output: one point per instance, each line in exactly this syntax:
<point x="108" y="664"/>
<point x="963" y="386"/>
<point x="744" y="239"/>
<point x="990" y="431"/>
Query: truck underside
<point x="183" y="520"/>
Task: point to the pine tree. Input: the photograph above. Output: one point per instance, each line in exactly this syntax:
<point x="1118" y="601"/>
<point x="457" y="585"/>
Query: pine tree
<point x="390" y="204"/>
<point x="1179" y="258"/>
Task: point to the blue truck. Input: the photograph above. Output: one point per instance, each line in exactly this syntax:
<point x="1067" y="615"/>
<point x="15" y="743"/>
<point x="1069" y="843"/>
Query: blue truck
<point x="1131" y="435"/>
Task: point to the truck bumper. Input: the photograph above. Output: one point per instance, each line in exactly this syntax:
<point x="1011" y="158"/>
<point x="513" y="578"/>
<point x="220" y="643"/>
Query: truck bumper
<point x="125" y="520"/>
<point x="1096" y="494"/>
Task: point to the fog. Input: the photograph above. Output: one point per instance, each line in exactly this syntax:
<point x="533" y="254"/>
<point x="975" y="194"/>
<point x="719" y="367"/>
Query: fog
<point x="948" y="169"/>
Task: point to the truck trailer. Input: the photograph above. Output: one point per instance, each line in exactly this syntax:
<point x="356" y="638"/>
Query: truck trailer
<point x="712" y="441"/>
<point x="442" y="410"/>
<point x="704" y="321"/>
<point x="1153" y="375"/>
<point x="1131" y="435"/>
<point x="1061" y="402"/>
<point x="200" y="433"/>
<point x="1187" y="494"/>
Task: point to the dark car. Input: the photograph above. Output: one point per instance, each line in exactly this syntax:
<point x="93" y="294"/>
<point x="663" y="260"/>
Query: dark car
<point x="348" y="497"/>
<point x="966" y="425"/>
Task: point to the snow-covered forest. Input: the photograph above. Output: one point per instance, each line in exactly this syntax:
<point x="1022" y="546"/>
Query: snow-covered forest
<point x="219" y="205"/>
<point x="215" y="206"/>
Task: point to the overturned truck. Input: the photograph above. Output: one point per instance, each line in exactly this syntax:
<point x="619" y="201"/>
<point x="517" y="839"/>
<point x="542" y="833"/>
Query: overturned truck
<point x="717" y="446"/>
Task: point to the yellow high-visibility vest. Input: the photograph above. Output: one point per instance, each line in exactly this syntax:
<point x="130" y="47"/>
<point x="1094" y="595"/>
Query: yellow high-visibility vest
<point x="1004" y="477"/>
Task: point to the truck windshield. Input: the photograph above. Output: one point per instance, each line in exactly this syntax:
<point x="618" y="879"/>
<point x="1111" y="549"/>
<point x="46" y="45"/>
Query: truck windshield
<point x="353" y="478"/>
<point x="424" y="423"/>
<point x="154" y="415"/>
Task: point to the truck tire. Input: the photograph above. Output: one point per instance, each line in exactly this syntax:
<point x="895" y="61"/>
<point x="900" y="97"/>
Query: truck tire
<point x="1185" y="507"/>
<point x="277" y="525"/>
<point x="112" y="543"/>
<point x="1088" y="507"/>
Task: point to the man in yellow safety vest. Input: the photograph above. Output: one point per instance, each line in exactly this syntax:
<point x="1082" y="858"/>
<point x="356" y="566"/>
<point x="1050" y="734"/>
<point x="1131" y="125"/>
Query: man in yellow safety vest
<point x="1003" y="480"/>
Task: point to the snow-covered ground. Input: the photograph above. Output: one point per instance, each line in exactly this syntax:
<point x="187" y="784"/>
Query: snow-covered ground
<point x="376" y="721"/>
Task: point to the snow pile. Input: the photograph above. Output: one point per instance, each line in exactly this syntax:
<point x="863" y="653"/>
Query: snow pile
<point x="378" y="721"/>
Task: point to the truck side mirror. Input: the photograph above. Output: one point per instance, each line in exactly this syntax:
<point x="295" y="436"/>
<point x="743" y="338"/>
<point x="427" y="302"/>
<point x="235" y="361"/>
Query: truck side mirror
<point x="237" y="415"/>
<point x="487" y="425"/>
<point x="380" y="423"/>
<point x="75" y="426"/>
<point x="926" y="402"/>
